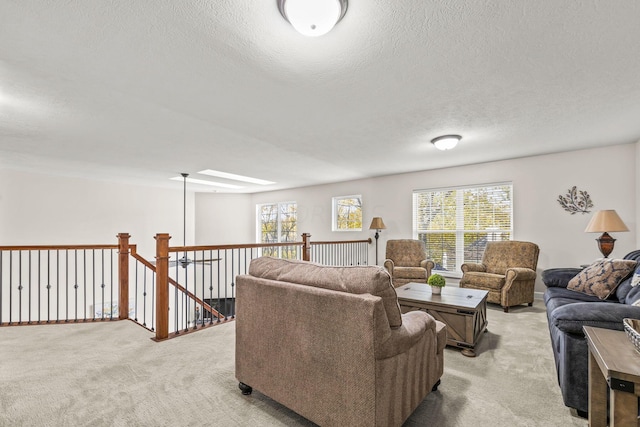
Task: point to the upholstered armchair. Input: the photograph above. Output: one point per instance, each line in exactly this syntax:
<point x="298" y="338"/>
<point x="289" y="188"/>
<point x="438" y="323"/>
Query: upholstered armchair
<point x="406" y="261"/>
<point x="507" y="272"/>
<point x="331" y="343"/>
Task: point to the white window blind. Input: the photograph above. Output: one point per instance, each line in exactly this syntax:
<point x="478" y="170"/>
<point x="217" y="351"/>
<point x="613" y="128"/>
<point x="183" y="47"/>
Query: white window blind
<point x="456" y="223"/>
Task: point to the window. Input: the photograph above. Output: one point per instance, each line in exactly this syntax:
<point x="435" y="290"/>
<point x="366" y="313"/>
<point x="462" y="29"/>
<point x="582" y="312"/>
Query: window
<point x="456" y="223"/>
<point x="277" y="223"/>
<point x="347" y="213"/>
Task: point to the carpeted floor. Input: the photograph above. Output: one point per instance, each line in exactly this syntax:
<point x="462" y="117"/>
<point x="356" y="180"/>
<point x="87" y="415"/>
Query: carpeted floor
<point x="113" y="374"/>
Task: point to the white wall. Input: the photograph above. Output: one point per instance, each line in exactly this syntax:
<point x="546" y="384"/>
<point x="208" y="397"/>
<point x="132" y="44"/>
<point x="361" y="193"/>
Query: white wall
<point x="224" y="219"/>
<point x="42" y="209"/>
<point x="607" y="174"/>
<point x="38" y="209"/>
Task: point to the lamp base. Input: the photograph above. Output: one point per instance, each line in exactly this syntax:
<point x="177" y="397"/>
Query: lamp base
<point x="605" y="244"/>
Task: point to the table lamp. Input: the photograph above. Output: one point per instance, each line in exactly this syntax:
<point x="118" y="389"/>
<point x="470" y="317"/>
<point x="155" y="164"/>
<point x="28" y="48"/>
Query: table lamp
<point x="603" y="222"/>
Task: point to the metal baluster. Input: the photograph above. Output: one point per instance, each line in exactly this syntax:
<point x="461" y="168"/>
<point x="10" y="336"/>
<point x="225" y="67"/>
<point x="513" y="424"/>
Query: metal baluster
<point x="84" y="276"/>
<point x="1" y="286"/>
<point x="102" y="286"/>
<point x="176" y="302"/>
<point x="226" y="278"/>
<point x="48" y="286"/>
<point x="93" y="286"/>
<point x="75" y="263"/>
<point x="111" y="283"/>
<point x="57" y="252"/>
<point x="10" y="285"/>
<point x="153" y="300"/>
<point x="19" y="287"/>
<point x="66" y="286"/>
<point x="185" y="294"/>
<point x="365" y="251"/>
<point x="135" y="311"/>
<point x="144" y="296"/>
<point x="218" y="284"/>
<point x="29" y="294"/>
<point x="233" y="287"/>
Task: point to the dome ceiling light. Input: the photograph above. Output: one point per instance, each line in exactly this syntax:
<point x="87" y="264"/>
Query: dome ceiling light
<point x="446" y="142"/>
<point x="312" y="18"/>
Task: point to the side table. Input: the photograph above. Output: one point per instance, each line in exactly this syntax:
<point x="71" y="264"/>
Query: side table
<point x="614" y="364"/>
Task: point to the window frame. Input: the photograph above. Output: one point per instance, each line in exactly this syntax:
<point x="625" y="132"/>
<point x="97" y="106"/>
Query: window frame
<point x="334" y="212"/>
<point x="279" y="221"/>
<point x="460" y="231"/>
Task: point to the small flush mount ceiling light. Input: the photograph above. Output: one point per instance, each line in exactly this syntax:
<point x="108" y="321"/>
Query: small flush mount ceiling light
<point x="312" y="17"/>
<point x="446" y="142"/>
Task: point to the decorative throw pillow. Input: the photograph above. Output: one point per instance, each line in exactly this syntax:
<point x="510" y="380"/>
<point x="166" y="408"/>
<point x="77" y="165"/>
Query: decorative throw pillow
<point x="602" y="277"/>
<point x="636" y="279"/>
<point x="637" y="303"/>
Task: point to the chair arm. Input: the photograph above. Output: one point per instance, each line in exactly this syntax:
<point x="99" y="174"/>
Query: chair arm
<point x="388" y="264"/>
<point x="428" y="265"/>
<point x="519" y="273"/>
<point x="414" y="325"/>
<point x="473" y="266"/>
<point x="570" y="318"/>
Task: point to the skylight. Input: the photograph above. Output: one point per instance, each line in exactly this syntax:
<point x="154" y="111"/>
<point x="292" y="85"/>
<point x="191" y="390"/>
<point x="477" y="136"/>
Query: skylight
<point x="235" y="177"/>
<point x="205" y="182"/>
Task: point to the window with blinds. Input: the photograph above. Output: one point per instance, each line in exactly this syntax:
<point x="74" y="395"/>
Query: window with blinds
<point x="456" y="223"/>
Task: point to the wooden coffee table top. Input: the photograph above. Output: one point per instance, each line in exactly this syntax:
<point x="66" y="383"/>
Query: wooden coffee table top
<point x="451" y="296"/>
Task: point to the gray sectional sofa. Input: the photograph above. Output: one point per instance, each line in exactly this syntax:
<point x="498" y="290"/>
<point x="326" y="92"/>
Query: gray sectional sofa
<point x="568" y="311"/>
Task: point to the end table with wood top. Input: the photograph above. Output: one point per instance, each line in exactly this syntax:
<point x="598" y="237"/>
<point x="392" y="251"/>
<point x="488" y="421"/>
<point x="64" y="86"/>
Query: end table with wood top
<point x="614" y="363"/>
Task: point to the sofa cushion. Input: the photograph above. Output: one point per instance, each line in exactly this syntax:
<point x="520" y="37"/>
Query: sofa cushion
<point x="559" y="277"/>
<point x="570" y="318"/>
<point x="633" y="296"/>
<point x="484" y="280"/>
<point x="564" y="296"/>
<point x="626" y="287"/>
<point x="410" y="273"/>
<point x="356" y="280"/>
<point x="602" y="277"/>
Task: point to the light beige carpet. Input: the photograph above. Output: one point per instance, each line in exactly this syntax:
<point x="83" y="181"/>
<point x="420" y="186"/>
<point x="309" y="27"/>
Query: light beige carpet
<point x="113" y="374"/>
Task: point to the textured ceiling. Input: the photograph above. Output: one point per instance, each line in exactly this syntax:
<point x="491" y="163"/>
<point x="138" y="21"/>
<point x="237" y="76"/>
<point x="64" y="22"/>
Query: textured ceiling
<point x="140" y="91"/>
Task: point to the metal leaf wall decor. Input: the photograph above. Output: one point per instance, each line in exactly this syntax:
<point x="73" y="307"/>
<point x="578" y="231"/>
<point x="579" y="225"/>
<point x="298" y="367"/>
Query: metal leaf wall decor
<point x="575" y="201"/>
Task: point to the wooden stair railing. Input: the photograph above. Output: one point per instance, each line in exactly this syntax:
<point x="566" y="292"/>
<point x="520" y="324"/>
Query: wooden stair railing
<point x="72" y="283"/>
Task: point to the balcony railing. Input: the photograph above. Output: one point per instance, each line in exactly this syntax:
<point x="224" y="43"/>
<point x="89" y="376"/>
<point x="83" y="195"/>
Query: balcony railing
<point x="185" y="289"/>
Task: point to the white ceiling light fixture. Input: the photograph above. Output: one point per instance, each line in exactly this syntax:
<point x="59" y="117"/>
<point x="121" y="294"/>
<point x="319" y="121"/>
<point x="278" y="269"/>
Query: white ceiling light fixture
<point x="235" y="177"/>
<point x="446" y="142"/>
<point x="312" y="18"/>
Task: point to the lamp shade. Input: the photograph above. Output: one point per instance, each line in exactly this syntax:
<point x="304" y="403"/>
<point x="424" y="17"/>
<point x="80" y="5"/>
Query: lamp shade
<point x="605" y="221"/>
<point x="377" y="224"/>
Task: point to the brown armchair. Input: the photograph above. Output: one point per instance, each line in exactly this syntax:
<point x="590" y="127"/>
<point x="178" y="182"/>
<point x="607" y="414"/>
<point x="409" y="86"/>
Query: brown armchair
<point x="406" y="261"/>
<point x="331" y="343"/>
<point x="507" y="272"/>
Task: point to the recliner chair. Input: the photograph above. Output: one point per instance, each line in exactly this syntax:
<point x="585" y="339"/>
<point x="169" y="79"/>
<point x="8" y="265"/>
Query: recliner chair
<point x="407" y="261"/>
<point x="507" y="272"/>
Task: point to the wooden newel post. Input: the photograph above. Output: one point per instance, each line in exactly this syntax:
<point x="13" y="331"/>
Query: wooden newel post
<point x="123" y="275"/>
<point x="162" y="286"/>
<point x="306" y="247"/>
